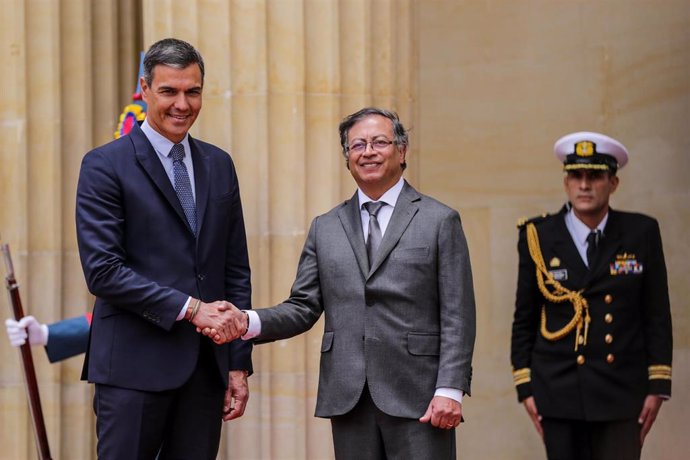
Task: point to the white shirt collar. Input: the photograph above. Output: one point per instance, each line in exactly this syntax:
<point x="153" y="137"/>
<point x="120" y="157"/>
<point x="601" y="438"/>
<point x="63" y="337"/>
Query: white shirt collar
<point x="160" y="143"/>
<point x="579" y="230"/>
<point x="390" y="197"/>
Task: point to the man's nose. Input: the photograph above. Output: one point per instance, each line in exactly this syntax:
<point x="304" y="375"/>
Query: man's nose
<point x="181" y="101"/>
<point x="369" y="148"/>
<point x="585" y="182"/>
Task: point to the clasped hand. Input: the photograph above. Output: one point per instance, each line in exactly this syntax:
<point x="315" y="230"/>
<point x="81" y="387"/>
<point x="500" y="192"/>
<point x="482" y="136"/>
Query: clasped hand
<point x="221" y="321"/>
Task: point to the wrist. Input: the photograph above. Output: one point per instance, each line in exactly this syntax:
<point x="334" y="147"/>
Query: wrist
<point x="246" y="329"/>
<point x="44" y="334"/>
<point x="192" y="309"/>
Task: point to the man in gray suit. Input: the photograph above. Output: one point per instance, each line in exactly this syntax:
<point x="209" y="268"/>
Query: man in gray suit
<point x="391" y="270"/>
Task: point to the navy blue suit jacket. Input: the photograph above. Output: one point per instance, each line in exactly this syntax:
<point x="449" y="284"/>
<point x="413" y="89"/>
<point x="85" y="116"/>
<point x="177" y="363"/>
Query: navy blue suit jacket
<point x="142" y="261"/>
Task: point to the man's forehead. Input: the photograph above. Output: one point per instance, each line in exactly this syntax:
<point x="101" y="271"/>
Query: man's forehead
<point x="378" y="123"/>
<point x="165" y="73"/>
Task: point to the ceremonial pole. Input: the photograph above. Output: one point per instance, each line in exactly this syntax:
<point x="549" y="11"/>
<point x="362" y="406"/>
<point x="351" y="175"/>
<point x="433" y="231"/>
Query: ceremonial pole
<point x="27" y="362"/>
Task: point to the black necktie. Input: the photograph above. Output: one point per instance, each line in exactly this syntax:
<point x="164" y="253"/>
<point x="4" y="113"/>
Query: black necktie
<point x="183" y="186"/>
<point x="592" y="243"/>
<point x="374" y="234"/>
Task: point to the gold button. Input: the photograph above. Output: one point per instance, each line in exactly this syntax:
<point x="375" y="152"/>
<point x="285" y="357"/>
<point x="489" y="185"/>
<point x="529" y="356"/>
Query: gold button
<point x="581" y="340"/>
<point x="608" y="298"/>
<point x="610" y="358"/>
<point x="608" y="318"/>
<point x="608" y="338"/>
<point x="581" y="359"/>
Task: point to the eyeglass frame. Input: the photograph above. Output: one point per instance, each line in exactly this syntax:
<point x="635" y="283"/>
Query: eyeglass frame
<point x="356" y="146"/>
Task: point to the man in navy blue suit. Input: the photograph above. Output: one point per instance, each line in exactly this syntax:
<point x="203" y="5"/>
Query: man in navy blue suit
<point x="163" y="248"/>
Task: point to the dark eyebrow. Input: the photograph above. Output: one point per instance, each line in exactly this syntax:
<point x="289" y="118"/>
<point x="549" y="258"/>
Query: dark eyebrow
<point x="171" y="88"/>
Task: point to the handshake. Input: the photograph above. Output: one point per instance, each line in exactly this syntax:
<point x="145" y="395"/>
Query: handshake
<point x="220" y="321"/>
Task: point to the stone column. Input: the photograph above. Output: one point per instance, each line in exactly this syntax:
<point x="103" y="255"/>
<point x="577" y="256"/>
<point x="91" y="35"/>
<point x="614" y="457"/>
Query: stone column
<point x="61" y="74"/>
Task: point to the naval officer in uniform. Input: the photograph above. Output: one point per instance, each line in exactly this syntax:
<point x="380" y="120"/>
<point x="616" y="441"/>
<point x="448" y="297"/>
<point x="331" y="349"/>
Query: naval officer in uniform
<point x="591" y="339"/>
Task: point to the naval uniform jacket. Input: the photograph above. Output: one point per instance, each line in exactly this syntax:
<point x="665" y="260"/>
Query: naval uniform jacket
<point x="629" y="345"/>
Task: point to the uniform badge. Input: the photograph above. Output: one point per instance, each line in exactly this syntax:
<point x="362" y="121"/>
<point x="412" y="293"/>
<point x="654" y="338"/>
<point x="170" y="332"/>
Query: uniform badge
<point x="555" y="262"/>
<point x="625" y="264"/>
<point x="559" y="275"/>
<point x="585" y="148"/>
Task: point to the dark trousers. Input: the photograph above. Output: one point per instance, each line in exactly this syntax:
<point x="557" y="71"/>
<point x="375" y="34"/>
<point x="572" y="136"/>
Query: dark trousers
<point x="581" y="440"/>
<point x="184" y="423"/>
<point x="366" y="433"/>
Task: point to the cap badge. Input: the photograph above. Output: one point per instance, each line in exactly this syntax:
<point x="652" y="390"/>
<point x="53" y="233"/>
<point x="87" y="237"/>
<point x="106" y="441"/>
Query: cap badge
<point x="584" y="148"/>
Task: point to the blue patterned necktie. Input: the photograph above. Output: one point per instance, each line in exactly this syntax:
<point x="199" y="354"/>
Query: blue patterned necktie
<point x="374" y="235"/>
<point x="183" y="186"/>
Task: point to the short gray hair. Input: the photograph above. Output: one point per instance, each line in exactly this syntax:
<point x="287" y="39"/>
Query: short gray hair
<point x="173" y="53"/>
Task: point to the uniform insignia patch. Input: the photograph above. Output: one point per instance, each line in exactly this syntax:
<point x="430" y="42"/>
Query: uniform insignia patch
<point x="625" y="264"/>
<point x="555" y="262"/>
<point x="559" y="275"/>
<point x="585" y="148"/>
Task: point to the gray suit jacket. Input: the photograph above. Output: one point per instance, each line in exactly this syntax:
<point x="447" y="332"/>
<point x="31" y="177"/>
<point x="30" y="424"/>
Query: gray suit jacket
<point x="406" y="326"/>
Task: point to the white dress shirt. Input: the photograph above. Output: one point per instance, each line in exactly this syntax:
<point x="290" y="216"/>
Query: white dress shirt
<point x="162" y="145"/>
<point x="579" y="232"/>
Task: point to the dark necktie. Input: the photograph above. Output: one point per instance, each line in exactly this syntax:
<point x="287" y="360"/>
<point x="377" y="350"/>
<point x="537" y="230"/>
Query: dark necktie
<point x="374" y="233"/>
<point x="183" y="186"/>
<point x="592" y="243"/>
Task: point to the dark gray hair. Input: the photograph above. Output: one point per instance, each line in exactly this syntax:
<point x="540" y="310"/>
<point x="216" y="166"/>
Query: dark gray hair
<point x="399" y="131"/>
<point x="173" y="53"/>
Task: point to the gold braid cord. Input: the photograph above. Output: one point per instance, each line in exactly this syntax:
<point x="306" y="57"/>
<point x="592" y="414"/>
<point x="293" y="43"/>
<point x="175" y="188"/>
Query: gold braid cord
<point x="557" y="294"/>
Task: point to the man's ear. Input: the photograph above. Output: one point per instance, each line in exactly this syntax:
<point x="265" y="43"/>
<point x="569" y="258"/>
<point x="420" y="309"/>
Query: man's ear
<point x="614" y="183"/>
<point x="144" y="87"/>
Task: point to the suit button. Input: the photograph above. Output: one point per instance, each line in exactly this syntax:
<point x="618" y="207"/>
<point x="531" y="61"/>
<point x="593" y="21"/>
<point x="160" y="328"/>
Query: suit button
<point x="200" y="276"/>
<point x="580" y="360"/>
<point x="608" y="318"/>
<point x="610" y="358"/>
<point x="608" y="298"/>
<point x="608" y="338"/>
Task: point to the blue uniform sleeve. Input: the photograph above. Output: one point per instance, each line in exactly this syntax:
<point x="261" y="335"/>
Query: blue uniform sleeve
<point x="67" y="338"/>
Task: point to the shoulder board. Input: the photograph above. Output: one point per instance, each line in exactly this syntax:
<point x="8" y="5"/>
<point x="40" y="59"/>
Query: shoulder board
<point x="524" y="220"/>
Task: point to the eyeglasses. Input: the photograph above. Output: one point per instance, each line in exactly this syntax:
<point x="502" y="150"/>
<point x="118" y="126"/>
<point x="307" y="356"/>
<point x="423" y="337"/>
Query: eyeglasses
<point x="361" y="146"/>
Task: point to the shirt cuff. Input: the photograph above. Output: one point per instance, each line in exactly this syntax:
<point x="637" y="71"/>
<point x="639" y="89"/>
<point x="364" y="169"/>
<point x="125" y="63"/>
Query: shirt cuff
<point x="451" y="393"/>
<point x="254" y="328"/>
<point x="180" y="316"/>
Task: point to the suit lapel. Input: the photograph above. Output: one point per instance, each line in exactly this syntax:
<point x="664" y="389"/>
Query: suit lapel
<point x="202" y="172"/>
<point x="148" y="159"/>
<point x="349" y="215"/>
<point x="404" y="211"/>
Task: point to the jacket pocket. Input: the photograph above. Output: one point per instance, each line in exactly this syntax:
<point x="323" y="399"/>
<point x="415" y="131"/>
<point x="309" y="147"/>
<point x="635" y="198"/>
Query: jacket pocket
<point x="326" y="342"/>
<point x="423" y="343"/>
<point x="420" y="253"/>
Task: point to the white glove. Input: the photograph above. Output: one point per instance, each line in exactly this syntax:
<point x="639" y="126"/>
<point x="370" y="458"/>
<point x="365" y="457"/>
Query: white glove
<point x="17" y="331"/>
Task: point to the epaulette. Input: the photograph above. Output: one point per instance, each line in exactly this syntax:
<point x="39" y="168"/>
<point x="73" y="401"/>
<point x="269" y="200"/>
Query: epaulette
<point x="521" y="222"/>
